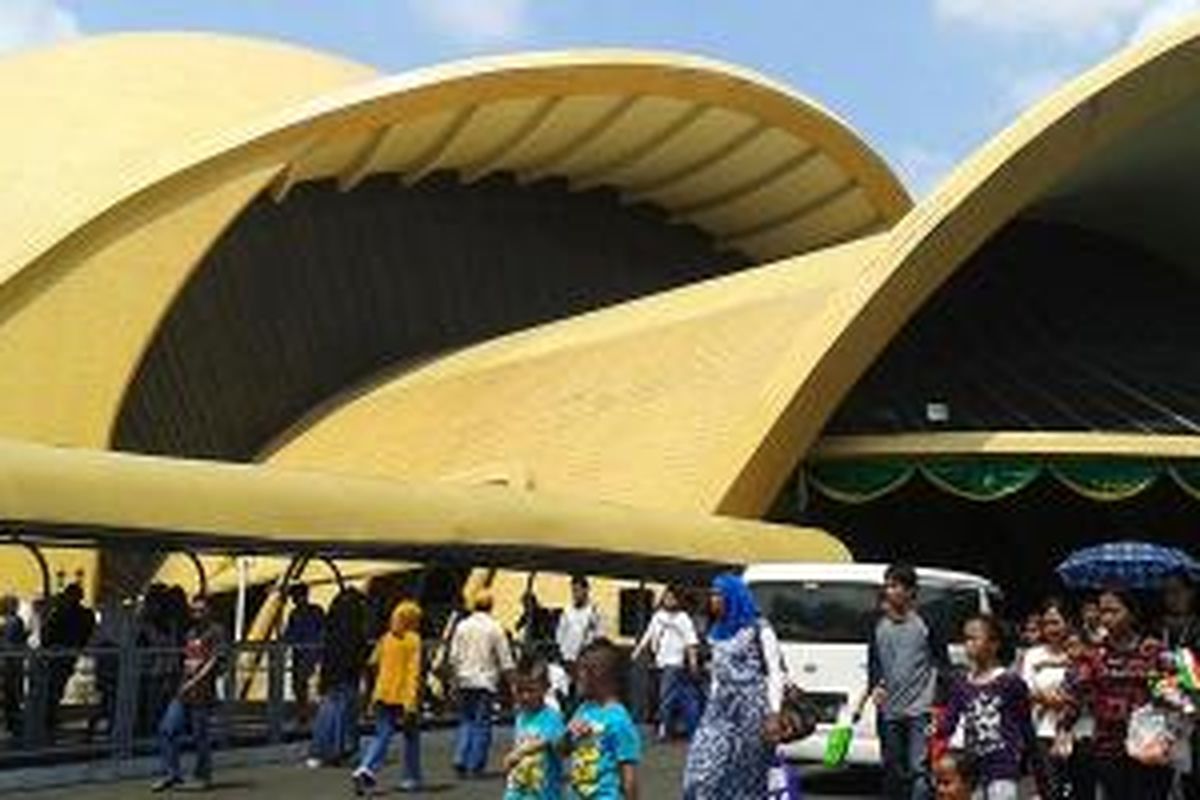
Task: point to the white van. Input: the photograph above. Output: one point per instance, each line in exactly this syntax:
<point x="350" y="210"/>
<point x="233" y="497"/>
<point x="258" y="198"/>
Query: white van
<point x="823" y="614"/>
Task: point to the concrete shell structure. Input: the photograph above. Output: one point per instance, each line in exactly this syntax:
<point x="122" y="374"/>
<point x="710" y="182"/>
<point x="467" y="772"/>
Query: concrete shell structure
<point x="134" y="185"/>
<point x="793" y="336"/>
<point x="696" y="395"/>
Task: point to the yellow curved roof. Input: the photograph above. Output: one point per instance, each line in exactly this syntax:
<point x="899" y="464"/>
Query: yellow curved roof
<point x="154" y="143"/>
<point x="101" y="116"/>
<point x="705" y="398"/>
<point x="764" y="170"/>
<point x="651" y="403"/>
<point x="89" y="123"/>
<point x="132" y="501"/>
<point x="1063" y="137"/>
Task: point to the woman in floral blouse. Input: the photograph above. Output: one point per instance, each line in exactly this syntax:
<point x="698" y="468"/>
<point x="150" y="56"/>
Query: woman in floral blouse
<point x="1114" y="679"/>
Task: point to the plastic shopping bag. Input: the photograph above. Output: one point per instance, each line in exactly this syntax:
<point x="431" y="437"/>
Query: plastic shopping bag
<point x="837" y="746"/>
<point x="1150" y="740"/>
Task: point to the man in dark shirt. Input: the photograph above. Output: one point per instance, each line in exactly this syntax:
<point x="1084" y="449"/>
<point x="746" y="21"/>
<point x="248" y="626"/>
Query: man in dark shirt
<point x="13" y="639"/>
<point x="303" y="633"/>
<point x="68" y="629"/>
<point x="907" y="662"/>
<point x="203" y="651"/>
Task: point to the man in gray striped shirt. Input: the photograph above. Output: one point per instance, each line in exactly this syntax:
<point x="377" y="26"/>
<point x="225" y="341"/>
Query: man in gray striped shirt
<point x="906" y="660"/>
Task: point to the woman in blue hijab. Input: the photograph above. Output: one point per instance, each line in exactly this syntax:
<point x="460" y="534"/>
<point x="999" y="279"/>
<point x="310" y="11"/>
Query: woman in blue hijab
<point x="732" y="750"/>
<point x="732" y="607"/>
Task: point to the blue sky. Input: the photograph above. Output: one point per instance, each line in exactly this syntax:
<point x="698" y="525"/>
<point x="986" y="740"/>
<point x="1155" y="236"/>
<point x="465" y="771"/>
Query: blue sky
<point x="925" y="81"/>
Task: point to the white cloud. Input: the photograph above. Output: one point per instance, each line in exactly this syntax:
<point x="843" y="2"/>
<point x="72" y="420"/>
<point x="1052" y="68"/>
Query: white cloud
<point x="1080" y="20"/>
<point x="923" y="168"/>
<point x="29" y="23"/>
<point x="1163" y="14"/>
<point x="476" y="22"/>
<point x="1024" y="89"/>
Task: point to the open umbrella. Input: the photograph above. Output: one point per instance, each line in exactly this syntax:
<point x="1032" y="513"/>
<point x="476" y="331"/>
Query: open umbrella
<point x="1131" y="565"/>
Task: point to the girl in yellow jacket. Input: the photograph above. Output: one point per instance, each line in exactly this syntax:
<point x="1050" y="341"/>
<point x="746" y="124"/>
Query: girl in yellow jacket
<point x="397" y="658"/>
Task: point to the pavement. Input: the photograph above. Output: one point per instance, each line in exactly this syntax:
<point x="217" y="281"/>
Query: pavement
<point x="660" y="774"/>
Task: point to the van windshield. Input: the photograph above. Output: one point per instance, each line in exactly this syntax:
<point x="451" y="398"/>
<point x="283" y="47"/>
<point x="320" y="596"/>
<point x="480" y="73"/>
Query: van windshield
<point x="843" y="613"/>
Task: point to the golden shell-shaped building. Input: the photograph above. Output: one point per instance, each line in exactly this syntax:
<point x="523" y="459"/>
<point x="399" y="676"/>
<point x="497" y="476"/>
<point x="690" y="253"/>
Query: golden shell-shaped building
<point x="599" y="277"/>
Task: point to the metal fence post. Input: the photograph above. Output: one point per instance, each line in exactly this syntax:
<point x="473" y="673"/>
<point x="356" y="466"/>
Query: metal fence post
<point x="125" y="709"/>
<point x="275" y="673"/>
<point x="35" y="707"/>
<point x="224" y="716"/>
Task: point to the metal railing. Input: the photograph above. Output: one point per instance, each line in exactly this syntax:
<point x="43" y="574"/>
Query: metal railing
<point x="106" y="702"/>
<point x="65" y="706"/>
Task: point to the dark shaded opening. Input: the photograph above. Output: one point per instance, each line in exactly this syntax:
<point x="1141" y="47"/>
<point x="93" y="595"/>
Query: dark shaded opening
<point x="1016" y="541"/>
<point x="301" y="300"/>
<point x="1048" y="327"/>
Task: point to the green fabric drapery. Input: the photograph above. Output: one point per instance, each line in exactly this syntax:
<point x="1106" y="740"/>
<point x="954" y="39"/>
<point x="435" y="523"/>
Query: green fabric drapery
<point x="854" y="481"/>
<point x="983" y="480"/>
<point x="1106" y="480"/>
<point x="991" y="478"/>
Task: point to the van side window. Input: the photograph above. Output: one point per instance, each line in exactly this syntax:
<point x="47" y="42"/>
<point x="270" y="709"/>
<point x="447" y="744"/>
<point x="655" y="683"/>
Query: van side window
<point x="843" y="612"/>
<point x="819" y="612"/>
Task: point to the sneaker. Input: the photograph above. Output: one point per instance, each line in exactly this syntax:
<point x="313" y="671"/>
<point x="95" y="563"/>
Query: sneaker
<point x="410" y="785"/>
<point x="363" y="780"/>
<point x="165" y="784"/>
<point x="313" y="763"/>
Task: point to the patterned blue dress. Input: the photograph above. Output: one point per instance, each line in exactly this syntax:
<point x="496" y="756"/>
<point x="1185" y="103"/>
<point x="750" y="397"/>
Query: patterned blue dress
<point x="728" y="758"/>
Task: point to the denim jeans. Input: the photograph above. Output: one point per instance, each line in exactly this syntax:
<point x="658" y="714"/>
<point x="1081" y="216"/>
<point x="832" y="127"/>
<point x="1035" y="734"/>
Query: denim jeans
<point x="387" y="720"/>
<point x="474" y="730"/>
<point x="905" y="745"/>
<point x="178" y="719"/>
<point x="335" y="731"/>
<point x="676" y="699"/>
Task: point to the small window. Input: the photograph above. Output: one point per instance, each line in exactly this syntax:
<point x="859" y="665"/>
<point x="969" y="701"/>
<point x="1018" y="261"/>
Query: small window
<point x="819" y="612"/>
<point x="843" y="613"/>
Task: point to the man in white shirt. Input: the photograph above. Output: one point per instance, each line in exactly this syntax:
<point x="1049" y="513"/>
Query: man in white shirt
<point x="579" y="625"/>
<point x="480" y="658"/>
<point x="671" y="636"/>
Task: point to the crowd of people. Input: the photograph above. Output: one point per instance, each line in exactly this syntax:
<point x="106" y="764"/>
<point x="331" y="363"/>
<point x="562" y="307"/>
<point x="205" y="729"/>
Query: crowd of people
<point x="1081" y="706"/>
<point x="1079" y="700"/>
<point x="64" y="627"/>
<point x="575" y="737"/>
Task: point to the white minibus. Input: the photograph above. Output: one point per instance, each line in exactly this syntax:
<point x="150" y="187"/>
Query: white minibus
<point x="823" y="615"/>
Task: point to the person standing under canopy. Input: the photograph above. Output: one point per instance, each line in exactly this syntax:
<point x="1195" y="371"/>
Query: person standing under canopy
<point x="480" y="658"/>
<point x="303" y="634"/>
<point x="14" y="640"/>
<point x="579" y="625"/>
<point x="192" y="707"/>
<point x="671" y="636"/>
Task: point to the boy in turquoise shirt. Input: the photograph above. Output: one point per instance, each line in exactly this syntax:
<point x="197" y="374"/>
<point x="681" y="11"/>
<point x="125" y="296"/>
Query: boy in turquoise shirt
<point x="603" y="742"/>
<point x="534" y="767"/>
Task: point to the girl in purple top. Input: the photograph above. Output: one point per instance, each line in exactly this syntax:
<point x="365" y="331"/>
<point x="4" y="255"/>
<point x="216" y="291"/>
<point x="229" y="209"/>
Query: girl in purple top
<point x="992" y="706"/>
